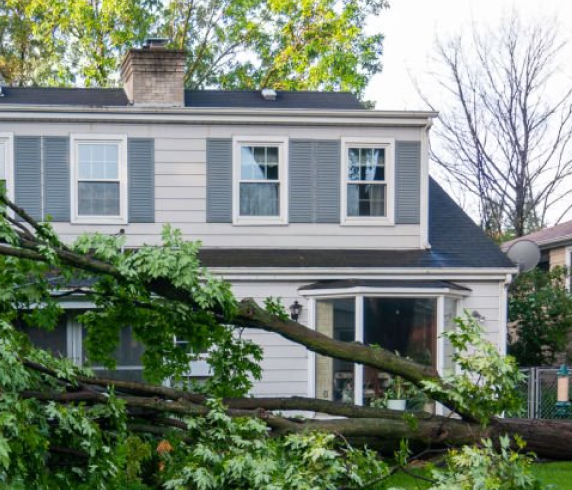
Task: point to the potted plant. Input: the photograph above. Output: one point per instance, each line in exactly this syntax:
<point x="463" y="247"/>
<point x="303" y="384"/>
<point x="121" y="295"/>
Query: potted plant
<point x="395" y="394"/>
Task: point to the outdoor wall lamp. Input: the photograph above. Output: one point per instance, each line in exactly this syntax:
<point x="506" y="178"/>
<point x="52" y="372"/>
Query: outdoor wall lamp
<point x="295" y="310"/>
<point x="477" y="316"/>
<point x="563" y="393"/>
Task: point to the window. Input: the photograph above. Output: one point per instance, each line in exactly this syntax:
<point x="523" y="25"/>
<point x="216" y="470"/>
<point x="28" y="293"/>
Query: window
<point x="99" y="182"/>
<point x="6" y="167"/>
<point x="259" y="181"/>
<point x="405" y="325"/>
<point x="366" y="182"/>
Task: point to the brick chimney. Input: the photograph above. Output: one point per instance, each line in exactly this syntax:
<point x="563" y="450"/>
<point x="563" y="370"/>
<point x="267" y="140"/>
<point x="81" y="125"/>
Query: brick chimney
<point x="153" y="76"/>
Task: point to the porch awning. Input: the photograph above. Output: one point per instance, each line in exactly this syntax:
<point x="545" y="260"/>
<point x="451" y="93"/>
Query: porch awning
<point x="384" y="284"/>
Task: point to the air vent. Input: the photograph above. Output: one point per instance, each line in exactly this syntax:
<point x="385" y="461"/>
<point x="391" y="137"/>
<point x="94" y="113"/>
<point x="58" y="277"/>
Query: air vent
<point x="269" y="94"/>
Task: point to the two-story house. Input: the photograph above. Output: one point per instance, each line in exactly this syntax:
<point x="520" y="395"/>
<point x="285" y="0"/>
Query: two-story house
<point x="306" y="196"/>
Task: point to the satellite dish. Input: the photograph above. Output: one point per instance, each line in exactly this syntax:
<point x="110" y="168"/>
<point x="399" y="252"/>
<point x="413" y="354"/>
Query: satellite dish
<point x="525" y="254"/>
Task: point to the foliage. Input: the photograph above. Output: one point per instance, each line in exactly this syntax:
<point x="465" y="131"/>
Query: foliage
<point x="230" y="453"/>
<point x="486" y="383"/>
<point x="275" y="307"/>
<point x="155" y="321"/>
<point x="485" y="468"/>
<point x="252" y="44"/>
<point x="26" y="55"/>
<point x="541" y="308"/>
<point x="215" y="452"/>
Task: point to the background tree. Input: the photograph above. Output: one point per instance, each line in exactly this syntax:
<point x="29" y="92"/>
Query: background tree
<point x="541" y="308"/>
<point x="505" y="122"/>
<point x="291" y="44"/>
<point x="29" y="54"/>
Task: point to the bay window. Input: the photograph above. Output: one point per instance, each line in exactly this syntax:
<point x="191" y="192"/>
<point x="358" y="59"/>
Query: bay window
<point x="409" y="324"/>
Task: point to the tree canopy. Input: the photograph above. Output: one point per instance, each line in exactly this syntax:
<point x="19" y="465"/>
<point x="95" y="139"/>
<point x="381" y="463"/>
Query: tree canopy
<point x="252" y="44"/>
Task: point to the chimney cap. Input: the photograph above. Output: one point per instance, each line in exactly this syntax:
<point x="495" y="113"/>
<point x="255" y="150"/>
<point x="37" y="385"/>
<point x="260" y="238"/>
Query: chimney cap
<point x="156" y="43"/>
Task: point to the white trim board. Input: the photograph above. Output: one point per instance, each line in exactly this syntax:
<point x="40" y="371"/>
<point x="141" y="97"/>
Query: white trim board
<point x="121" y="141"/>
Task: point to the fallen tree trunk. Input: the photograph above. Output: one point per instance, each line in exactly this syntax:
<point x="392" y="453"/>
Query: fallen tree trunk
<point x="157" y="409"/>
<point x="154" y="409"/>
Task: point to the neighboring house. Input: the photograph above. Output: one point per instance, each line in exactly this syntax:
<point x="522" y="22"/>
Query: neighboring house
<point x="306" y="196"/>
<point x="555" y="245"/>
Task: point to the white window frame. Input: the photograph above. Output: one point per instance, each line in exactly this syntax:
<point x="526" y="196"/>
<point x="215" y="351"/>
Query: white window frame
<point x="387" y="144"/>
<point x="121" y="141"/>
<point x="358" y="294"/>
<point x="7" y="139"/>
<point x="568" y="264"/>
<point x="282" y="143"/>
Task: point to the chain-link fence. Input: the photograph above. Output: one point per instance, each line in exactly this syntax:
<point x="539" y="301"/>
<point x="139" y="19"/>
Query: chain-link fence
<point x="539" y="391"/>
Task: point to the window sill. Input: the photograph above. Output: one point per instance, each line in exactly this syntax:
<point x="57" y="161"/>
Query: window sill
<point x="361" y="221"/>
<point x="255" y="222"/>
<point x="99" y="220"/>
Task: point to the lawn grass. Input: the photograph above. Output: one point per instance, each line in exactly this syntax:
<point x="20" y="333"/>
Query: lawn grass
<point x="552" y="476"/>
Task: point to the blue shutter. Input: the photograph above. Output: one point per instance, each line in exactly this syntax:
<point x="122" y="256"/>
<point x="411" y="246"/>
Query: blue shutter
<point x="219" y="180"/>
<point x="141" y="166"/>
<point x="28" y="174"/>
<point x="56" y="152"/>
<point x="407" y="182"/>
<point x="302" y="181"/>
<point x="328" y="181"/>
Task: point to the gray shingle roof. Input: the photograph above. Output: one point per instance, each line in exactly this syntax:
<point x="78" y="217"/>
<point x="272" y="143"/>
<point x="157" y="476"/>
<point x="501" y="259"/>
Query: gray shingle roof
<point x="456" y="241"/>
<point x="382" y="284"/>
<point x="97" y="97"/>
<point x="553" y="235"/>
<point x="285" y="99"/>
<point x="91" y="97"/>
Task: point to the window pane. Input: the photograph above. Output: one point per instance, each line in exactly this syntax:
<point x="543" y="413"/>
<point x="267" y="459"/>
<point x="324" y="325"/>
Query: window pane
<point x="366" y="200"/>
<point x="259" y="163"/>
<point x="405" y="325"/>
<point x="366" y="164"/>
<point x="246" y="162"/>
<point x="259" y="200"/>
<point x="98" y="198"/>
<point x="335" y="378"/>
<point x="128" y="357"/>
<point x="98" y="161"/>
<point x="353" y="164"/>
<point x="54" y="341"/>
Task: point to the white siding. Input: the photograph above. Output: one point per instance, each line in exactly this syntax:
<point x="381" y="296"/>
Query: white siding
<point x="486" y="299"/>
<point x="285" y="365"/>
<point x="180" y="189"/>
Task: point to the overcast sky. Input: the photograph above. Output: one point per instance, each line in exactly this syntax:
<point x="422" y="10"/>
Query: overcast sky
<point x="411" y="27"/>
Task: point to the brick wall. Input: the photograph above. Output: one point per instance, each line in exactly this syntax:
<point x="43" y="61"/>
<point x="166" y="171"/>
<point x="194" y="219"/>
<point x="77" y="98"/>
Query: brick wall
<point x="154" y="77"/>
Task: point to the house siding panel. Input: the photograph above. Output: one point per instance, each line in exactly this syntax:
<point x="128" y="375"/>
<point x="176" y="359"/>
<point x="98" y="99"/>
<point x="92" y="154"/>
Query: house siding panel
<point x="181" y="173"/>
